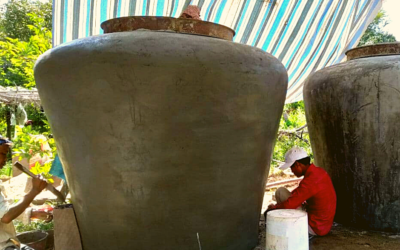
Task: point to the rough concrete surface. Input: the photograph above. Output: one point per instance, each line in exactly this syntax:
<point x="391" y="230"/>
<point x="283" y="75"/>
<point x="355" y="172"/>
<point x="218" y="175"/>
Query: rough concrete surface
<point x="353" y="114"/>
<point x="175" y="132"/>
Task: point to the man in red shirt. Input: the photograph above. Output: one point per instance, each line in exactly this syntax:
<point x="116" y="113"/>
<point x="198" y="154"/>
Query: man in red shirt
<point x="315" y="192"/>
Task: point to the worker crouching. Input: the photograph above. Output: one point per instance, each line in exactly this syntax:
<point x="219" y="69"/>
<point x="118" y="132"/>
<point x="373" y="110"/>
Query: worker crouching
<point x="315" y="193"/>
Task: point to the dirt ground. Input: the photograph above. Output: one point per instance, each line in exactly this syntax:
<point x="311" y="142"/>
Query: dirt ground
<point x="18" y="186"/>
<point x="340" y="237"/>
<point x="345" y="238"/>
<point x="270" y="192"/>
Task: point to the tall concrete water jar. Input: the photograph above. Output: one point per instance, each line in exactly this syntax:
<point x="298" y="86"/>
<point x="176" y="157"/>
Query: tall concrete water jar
<point x="165" y="133"/>
<point x="353" y="114"/>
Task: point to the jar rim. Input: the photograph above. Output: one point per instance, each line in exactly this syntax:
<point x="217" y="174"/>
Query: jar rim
<point x="382" y="49"/>
<point x="178" y="25"/>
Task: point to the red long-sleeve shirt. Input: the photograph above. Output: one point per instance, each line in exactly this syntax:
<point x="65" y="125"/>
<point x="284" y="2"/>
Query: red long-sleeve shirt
<point x="316" y="188"/>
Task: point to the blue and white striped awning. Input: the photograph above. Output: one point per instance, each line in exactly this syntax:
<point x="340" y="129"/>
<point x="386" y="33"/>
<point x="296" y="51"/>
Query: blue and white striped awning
<point x="306" y="35"/>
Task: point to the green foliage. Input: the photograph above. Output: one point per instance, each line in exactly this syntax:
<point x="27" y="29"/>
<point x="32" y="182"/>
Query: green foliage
<point x="374" y="33"/>
<point x="16" y="22"/>
<point x="34" y="225"/>
<point x="6" y="171"/>
<point x="43" y="170"/>
<point x="25" y="34"/>
<point x="293" y="118"/>
<point x="38" y="118"/>
<point x="25" y="146"/>
<point x="3" y="124"/>
<point x="35" y="114"/>
<point x="29" y="143"/>
<point x="17" y="57"/>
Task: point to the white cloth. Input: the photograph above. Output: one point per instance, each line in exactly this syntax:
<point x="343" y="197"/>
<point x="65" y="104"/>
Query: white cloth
<point x="20" y="117"/>
<point x="7" y="231"/>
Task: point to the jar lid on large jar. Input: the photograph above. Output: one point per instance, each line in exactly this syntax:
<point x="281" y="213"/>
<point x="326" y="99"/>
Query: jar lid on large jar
<point x="169" y="24"/>
<point x="382" y="49"/>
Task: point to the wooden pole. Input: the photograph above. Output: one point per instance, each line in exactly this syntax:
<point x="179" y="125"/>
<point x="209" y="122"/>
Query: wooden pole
<point x="8" y="122"/>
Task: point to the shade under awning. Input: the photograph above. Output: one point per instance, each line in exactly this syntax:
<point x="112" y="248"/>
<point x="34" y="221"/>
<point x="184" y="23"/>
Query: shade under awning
<point x="305" y="35"/>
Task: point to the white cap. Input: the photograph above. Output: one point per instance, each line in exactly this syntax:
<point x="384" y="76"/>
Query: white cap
<point x="293" y="155"/>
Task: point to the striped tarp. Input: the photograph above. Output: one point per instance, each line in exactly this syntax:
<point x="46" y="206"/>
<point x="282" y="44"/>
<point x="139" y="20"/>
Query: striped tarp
<point x="305" y="35"/>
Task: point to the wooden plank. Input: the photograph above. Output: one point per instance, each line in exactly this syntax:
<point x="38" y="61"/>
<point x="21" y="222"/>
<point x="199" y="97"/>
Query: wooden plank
<point x="66" y="231"/>
<point x="278" y="183"/>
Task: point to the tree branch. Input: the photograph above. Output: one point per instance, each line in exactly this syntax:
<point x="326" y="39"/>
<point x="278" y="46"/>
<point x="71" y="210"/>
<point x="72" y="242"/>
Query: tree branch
<point x="298" y="132"/>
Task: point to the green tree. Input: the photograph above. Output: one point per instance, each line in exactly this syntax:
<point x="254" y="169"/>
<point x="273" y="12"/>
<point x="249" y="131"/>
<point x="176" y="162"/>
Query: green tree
<point x="15" y="21"/>
<point x="17" y="57"/>
<point x="3" y="125"/>
<point x="25" y="33"/>
<point x="374" y="33"/>
<point x="292" y="132"/>
<point x="38" y="118"/>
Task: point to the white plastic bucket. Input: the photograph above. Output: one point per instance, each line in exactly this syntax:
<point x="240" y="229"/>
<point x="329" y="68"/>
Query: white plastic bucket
<point x="287" y="229"/>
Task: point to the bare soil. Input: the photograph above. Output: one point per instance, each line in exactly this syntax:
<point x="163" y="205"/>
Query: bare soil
<point x="18" y="186"/>
<point x="340" y="238"/>
<point x="345" y="238"/>
<point x="270" y="192"/>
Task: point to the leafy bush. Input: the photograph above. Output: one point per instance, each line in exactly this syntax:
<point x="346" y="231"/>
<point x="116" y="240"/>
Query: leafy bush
<point x="18" y="57"/>
<point x="3" y="124"/>
<point x="29" y="143"/>
<point x="14" y="21"/>
<point x="38" y="118"/>
<point x="6" y="171"/>
<point x="292" y="132"/>
<point x="34" y="225"/>
<point x="374" y="33"/>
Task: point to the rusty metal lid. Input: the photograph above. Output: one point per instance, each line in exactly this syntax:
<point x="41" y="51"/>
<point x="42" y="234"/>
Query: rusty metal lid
<point x="382" y="49"/>
<point x="179" y="25"/>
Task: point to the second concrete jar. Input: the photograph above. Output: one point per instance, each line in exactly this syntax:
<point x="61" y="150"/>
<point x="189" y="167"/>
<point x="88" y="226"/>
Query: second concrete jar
<point x="353" y="114"/>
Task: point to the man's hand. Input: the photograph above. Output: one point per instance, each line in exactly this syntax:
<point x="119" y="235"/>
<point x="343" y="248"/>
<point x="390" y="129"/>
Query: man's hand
<point x="270" y="207"/>
<point x="38" y="184"/>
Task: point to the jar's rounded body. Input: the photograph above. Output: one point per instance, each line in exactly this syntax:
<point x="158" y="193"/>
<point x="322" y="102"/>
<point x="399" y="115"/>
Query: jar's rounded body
<point x="353" y="115"/>
<point x="165" y="138"/>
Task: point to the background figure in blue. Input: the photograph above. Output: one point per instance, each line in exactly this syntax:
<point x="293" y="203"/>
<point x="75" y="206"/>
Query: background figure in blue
<point x="57" y="168"/>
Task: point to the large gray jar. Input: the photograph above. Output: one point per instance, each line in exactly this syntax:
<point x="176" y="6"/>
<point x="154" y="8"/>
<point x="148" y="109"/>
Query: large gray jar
<point x="353" y="115"/>
<point x="165" y="138"/>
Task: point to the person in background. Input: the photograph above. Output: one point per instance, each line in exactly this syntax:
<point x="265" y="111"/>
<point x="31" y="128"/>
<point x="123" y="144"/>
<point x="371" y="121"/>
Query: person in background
<point x="315" y="193"/>
<point x="8" y="213"/>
